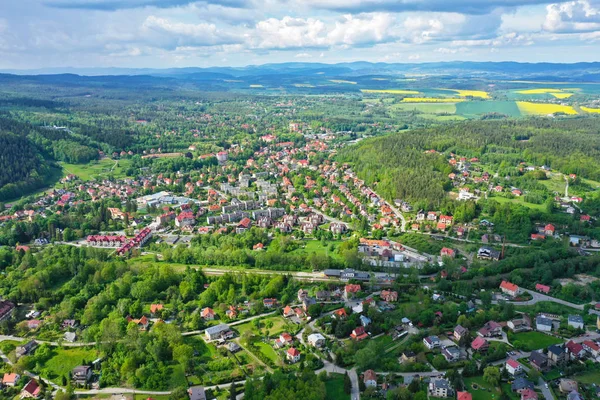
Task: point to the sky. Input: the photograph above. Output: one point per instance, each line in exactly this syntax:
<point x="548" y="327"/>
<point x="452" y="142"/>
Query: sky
<point x="185" y="33"/>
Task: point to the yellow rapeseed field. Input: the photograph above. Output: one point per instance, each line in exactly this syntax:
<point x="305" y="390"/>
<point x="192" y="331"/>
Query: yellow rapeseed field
<point x="430" y="100"/>
<point x="558" y="93"/>
<point x="390" y="91"/>
<point x="529" y="108"/>
<point x="591" y="110"/>
<point x="471" y="93"/>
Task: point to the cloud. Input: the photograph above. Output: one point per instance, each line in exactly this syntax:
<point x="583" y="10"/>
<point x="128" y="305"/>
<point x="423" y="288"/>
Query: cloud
<point x="112" y="5"/>
<point x="295" y="33"/>
<point x="508" y="39"/>
<point x="165" y="33"/>
<point x="462" y="6"/>
<point x="573" y="16"/>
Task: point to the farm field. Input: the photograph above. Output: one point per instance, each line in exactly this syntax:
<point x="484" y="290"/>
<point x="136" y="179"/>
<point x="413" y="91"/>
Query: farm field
<point x="533" y="340"/>
<point x="470" y="93"/>
<point x="476" y="108"/>
<point x="591" y="110"/>
<point x="97" y="169"/>
<point x="431" y="100"/>
<point x="427" y="108"/>
<point x="528" y="108"/>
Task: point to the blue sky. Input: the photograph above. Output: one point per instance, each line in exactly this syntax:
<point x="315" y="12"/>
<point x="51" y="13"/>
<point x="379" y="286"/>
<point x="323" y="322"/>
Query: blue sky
<point x="181" y="33"/>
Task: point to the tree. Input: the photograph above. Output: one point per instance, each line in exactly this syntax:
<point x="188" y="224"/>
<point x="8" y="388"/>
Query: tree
<point x="492" y="375"/>
<point x="233" y="391"/>
<point x="179" y="393"/>
<point x="347" y="383"/>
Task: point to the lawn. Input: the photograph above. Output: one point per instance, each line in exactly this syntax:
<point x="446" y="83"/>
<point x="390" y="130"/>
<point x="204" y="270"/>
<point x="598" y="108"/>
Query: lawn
<point x="315" y="246"/>
<point x="426" y="108"/>
<point x="533" y="340"/>
<point x="97" y="169"/>
<point x="335" y="387"/>
<point x="268" y="351"/>
<point x="279" y="325"/>
<point x="517" y="200"/>
<point x="177" y="377"/>
<point x="64" y="360"/>
<point x="588" y="377"/>
<point x="484" y="390"/>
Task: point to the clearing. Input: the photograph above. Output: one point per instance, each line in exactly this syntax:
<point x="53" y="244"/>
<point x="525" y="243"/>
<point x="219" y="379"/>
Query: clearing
<point x="533" y="340"/>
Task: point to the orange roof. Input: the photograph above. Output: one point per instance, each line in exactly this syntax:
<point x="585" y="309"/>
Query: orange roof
<point x="509" y="286"/>
<point x="463" y="396"/>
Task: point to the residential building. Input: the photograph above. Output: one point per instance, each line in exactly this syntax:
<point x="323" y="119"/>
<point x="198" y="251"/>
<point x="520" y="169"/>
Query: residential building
<point x="221" y="331"/>
<point x="6" y="309"/>
<point x="389" y="296"/>
<point x="490" y="329"/>
<point x="521" y="384"/>
<point x="464" y="396"/>
<point x="519" y="324"/>
<point x="451" y="354"/>
<point x="542" y="288"/>
<point x="513" y="367"/>
<point x="576" y="321"/>
<point x="197" y="393"/>
<point x="82" y="374"/>
<point x="543" y="324"/>
<point x="370" y="378"/>
<point x="575" y="350"/>
<point x="439" y="387"/>
<point x="567" y="386"/>
<point x="316" y="340"/>
<point x="207" y="314"/>
<point x="509" y="288"/>
<point x="432" y="342"/>
<point x="26" y="348"/>
<point x="359" y="333"/>
<point x="528" y="394"/>
<point x="10" y="379"/>
<point x="480" y="344"/>
<point x="460" y="332"/>
<point x="408" y="357"/>
<point x="293" y="355"/>
<point x="539" y="361"/>
<point x="31" y="390"/>
<point x="350" y="291"/>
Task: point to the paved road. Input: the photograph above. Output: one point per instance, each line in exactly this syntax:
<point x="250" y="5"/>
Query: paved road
<point x="537" y="297"/>
<point x="332" y="368"/>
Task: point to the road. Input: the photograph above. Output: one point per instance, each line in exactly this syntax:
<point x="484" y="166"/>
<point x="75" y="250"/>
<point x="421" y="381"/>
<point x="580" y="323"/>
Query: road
<point x="332" y="368"/>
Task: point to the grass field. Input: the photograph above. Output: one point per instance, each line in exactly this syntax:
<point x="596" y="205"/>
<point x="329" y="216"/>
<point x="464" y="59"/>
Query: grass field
<point x="557" y="93"/>
<point x="431" y="100"/>
<point x="97" y="169"/>
<point x="334" y="387"/>
<point x="64" y="360"/>
<point x="528" y="108"/>
<point x="268" y="351"/>
<point x="534" y="340"/>
<point x="477" y="108"/>
<point x="279" y="325"/>
<point x="427" y="108"/>
<point x="588" y="377"/>
<point x="591" y="110"/>
<point x="315" y="246"/>
<point x="470" y="93"/>
<point x="389" y="91"/>
<point x="484" y="390"/>
<point x="518" y="200"/>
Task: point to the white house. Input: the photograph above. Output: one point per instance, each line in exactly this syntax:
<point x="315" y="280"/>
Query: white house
<point x="432" y="342"/>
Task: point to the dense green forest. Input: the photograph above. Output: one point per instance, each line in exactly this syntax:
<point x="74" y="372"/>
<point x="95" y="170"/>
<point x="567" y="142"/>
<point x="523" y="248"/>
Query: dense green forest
<point x="401" y="168"/>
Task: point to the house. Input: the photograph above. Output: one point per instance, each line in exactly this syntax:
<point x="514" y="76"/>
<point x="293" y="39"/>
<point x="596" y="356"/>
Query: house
<point x="520" y="384"/>
<point x="539" y="361"/>
<point x="557" y="355"/>
<point x="231" y="312"/>
<point x="388" y="295"/>
<point x="370" y="378"/>
<point x="490" y="329"/>
<point x="6" y="309"/>
<point x="155" y="308"/>
<point x="408" y="357"/>
<point x="350" y="291"/>
<point x="574" y="395"/>
<point x="286" y="338"/>
<point x="293" y="355"/>
<point x="359" y="333"/>
<point x="446" y="219"/>
<point x="487" y="253"/>
<point x="197" y="393"/>
<point x="576" y="321"/>
<point x="567" y="386"/>
<point x="26" y="349"/>
<point x="519" y="324"/>
<point x="446" y="252"/>
<point x="70" y="337"/>
<point x="542" y="288"/>
<point x="269" y="303"/>
<point x="460" y="332"/>
<point x="307" y="302"/>
<point x="528" y="394"/>
<point x="513" y="367"/>
<point x="31" y="390"/>
<point x="316" y="340"/>
<point x="592" y="348"/>
<point x="549" y="230"/>
<point x="10" y="379"/>
<point x="82" y="374"/>
<point x="543" y="324"/>
<point x="509" y="288"/>
<point x="432" y="342"/>
<point x="451" y="354"/>
<point x="365" y="321"/>
<point x="480" y="344"/>
<point x="288" y="311"/>
<point x="233" y="347"/>
<point x="439" y="387"/>
<point x="207" y="314"/>
<point x="221" y="331"/>
<point x="340" y="314"/>
<point x="575" y="350"/>
<point x="464" y="396"/>
<point x="142" y="323"/>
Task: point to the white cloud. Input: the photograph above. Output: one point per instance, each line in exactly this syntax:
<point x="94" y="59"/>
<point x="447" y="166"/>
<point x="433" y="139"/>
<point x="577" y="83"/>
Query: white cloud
<point x="573" y="16"/>
<point x="166" y="33"/>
